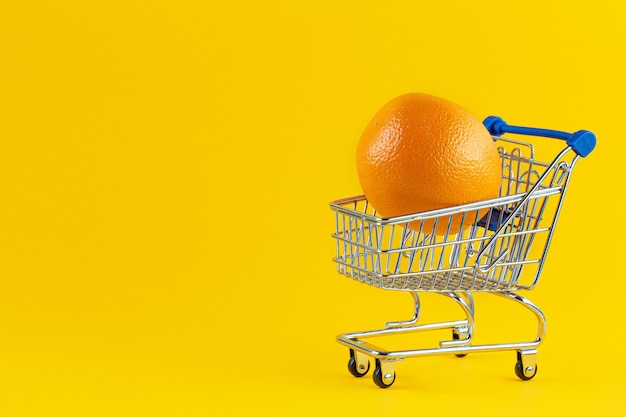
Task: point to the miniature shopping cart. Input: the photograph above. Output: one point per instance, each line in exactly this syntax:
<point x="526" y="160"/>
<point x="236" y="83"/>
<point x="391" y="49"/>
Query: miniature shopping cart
<point x="501" y="252"/>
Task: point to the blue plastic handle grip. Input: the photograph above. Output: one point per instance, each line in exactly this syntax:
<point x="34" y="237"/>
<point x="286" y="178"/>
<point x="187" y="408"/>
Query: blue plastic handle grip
<point x="582" y="142"/>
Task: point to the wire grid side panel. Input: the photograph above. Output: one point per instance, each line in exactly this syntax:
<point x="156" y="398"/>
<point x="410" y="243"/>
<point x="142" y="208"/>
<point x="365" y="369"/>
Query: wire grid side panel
<point x="357" y="243"/>
<point x="397" y="256"/>
<point x="429" y="262"/>
<point x="525" y="243"/>
<point x="519" y="172"/>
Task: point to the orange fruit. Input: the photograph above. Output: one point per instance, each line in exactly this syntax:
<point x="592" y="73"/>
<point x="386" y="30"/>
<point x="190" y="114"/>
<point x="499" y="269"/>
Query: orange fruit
<point x="420" y="153"/>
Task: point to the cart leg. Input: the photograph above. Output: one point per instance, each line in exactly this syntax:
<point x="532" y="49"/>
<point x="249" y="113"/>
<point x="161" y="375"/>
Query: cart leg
<point x="462" y="335"/>
<point x="541" y="319"/>
<point x="469" y="300"/>
<point x="413" y="320"/>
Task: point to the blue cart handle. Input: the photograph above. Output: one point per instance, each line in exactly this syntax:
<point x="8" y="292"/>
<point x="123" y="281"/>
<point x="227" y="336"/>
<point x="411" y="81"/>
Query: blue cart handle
<point x="581" y="142"/>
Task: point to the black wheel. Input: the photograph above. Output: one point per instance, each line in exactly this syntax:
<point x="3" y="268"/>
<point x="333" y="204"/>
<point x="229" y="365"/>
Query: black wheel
<point x="379" y="378"/>
<point x="519" y="371"/>
<point x="456" y="336"/>
<point x="354" y="368"/>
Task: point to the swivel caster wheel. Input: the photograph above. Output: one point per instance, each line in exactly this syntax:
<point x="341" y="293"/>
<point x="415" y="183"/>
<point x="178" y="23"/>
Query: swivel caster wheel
<point x="359" y="364"/>
<point x="384" y="375"/>
<point x="526" y="365"/>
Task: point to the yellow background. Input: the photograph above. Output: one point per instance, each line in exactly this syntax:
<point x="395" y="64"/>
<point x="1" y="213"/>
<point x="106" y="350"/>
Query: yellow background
<point x="165" y="174"/>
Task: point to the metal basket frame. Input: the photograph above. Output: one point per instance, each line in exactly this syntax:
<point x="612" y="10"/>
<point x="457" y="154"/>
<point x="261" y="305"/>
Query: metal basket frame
<point x="390" y="253"/>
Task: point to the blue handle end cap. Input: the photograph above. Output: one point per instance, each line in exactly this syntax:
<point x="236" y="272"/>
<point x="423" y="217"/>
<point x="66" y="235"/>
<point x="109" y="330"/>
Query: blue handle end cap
<point x="582" y="142"/>
<point x="495" y="125"/>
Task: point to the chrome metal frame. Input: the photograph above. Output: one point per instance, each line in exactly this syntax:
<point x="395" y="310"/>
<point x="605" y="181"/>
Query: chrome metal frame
<point x="500" y="248"/>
